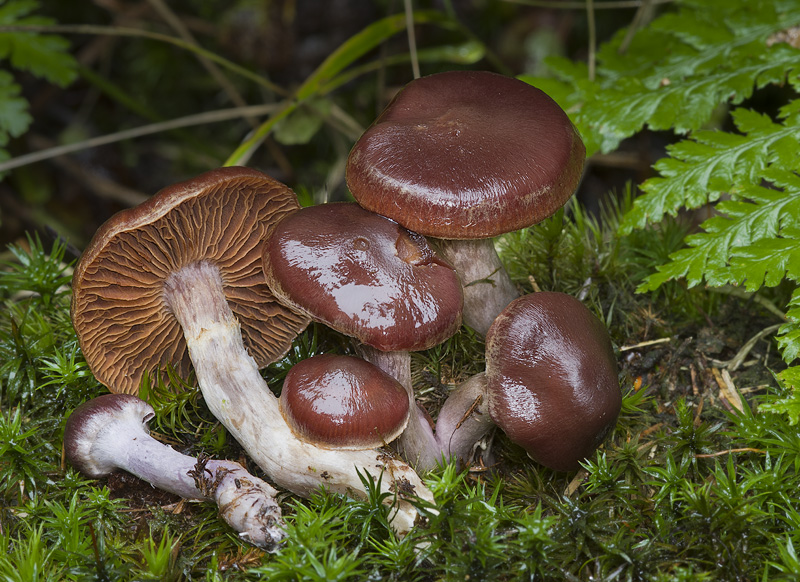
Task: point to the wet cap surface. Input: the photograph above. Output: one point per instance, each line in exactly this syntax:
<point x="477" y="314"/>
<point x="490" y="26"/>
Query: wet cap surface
<point x="365" y="276"/>
<point x="343" y="402"/>
<point x="467" y="154"/>
<point x="552" y="378"/>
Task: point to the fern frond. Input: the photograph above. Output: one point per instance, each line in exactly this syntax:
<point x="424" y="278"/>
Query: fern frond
<point x="752" y="241"/>
<point x="677" y="70"/>
<point x="701" y="168"/>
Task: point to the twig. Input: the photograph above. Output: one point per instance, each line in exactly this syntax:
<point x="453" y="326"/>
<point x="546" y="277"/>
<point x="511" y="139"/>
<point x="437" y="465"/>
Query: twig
<point x="591" y="58"/>
<point x="635" y="25"/>
<point x="197" y="119"/>
<point x="736" y="361"/>
<point x="412" y="41"/>
<point x="720" y="453"/>
<point x="648" y="343"/>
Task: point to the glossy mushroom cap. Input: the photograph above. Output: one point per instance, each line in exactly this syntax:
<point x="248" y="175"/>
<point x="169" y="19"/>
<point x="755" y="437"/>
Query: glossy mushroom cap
<point x="467" y="154"/>
<point x="552" y="378"/>
<point x="343" y="402"/>
<point x="363" y="275"/>
<point x="219" y="218"/>
<point x="92" y="427"/>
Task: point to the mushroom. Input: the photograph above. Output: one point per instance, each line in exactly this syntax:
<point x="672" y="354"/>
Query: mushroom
<point x="551" y="378"/>
<point x="364" y="275"/>
<point x="110" y="432"/>
<point x="181" y="274"/>
<point x="343" y="402"/>
<point x="464" y="156"/>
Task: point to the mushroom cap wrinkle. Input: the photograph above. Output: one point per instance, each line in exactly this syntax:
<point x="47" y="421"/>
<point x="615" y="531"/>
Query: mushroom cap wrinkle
<point x="467" y="154"/>
<point x="363" y="275"/>
<point x="552" y="378"/>
<point x="221" y="217"/>
<point x="343" y="402"/>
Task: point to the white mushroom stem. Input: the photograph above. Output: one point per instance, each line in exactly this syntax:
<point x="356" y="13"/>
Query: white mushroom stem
<point x="462" y="421"/>
<point x="487" y="287"/>
<point x="239" y="397"/>
<point x="120" y="440"/>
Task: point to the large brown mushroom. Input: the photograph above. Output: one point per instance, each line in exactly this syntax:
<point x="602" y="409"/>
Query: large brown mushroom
<point x="182" y="272"/>
<point x="550" y="384"/>
<point x="464" y="156"/>
<point x="141" y="257"/>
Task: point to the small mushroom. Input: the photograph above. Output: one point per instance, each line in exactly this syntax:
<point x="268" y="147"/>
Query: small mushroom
<point x="364" y="275"/>
<point x="181" y="274"/>
<point x="464" y="156"/>
<point x="343" y="402"/>
<point x="552" y="381"/>
<point x="110" y="432"/>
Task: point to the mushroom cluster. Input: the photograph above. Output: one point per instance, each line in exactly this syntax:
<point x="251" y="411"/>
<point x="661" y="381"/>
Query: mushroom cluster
<point x="218" y="275"/>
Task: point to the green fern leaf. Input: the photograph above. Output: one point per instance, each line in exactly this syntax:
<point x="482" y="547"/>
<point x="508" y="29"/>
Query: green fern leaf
<point x="738" y="246"/>
<point x="45" y="56"/>
<point x="701" y="168"/>
<point x="677" y="70"/>
<point x="14" y="117"/>
<point x="790" y="404"/>
<point x="789" y="334"/>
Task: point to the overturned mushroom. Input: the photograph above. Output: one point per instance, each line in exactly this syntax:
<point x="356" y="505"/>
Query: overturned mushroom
<point x="110" y="432"/>
<point x="181" y="274"/>
<point x="464" y="156"/>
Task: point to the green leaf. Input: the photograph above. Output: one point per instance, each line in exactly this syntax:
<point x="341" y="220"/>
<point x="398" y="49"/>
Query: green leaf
<point x="789" y="334"/>
<point x="45" y="56"/>
<point x="303" y="123"/>
<point x="701" y="168"/>
<point x="14" y="117"/>
<point x="760" y="215"/>
<point x="679" y="69"/>
<point x="790" y="404"/>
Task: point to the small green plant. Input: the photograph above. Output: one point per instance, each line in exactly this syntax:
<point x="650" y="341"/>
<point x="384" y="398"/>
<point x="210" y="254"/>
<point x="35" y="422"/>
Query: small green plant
<point x="46" y="56"/>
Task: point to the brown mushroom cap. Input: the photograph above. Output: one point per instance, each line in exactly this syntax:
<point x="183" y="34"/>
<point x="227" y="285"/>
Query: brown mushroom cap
<point x="363" y="275"/>
<point x="552" y="378"/>
<point x="220" y="217"/>
<point x="343" y="402"/>
<point x="467" y="154"/>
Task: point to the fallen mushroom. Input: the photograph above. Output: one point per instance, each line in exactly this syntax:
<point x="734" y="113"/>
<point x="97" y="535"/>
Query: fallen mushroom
<point x="110" y="432"/>
<point x="181" y="274"/>
<point x="364" y="275"/>
<point x="552" y="383"/>
<point x="464" y="156"/>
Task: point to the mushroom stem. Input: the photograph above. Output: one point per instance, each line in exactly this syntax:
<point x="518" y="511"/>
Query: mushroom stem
<point x="117" y="438"/>
<point x="462" y="421"/>
<point x="236" y="394"/>
<point x="487" y="287"/>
